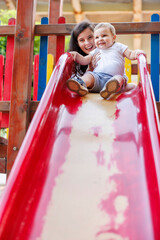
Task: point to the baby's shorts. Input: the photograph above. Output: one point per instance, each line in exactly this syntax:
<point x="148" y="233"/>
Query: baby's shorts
<point x="100" y="80"/>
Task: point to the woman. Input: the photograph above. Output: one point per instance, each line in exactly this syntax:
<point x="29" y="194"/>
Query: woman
<point x="82" y="41"/>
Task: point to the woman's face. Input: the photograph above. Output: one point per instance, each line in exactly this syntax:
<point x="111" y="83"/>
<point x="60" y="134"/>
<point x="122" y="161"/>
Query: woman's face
<point x="86" y="41"/>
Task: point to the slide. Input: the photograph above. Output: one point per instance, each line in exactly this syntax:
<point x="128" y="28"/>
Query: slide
<point x="88" y="169"/>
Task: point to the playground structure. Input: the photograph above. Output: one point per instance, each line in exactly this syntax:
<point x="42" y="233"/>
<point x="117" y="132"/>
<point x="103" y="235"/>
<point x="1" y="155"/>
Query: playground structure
<point x="21" y="95"/>
<point x="134" y="172"/>
<point x="80" y="172"/>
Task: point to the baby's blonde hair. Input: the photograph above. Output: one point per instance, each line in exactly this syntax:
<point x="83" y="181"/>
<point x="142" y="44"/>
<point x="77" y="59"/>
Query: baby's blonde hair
<point x="106" y="25"/>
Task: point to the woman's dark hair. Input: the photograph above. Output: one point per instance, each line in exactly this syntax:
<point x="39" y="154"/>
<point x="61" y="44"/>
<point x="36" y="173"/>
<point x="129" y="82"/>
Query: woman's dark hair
<point x="73" y="44"/>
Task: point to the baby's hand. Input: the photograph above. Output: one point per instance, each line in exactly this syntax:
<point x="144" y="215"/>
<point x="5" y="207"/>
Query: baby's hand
<point x="137" y="52"/>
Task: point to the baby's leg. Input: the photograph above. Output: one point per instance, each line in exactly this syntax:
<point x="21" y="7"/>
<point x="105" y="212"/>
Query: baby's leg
<point x="114" y="85"/>
<point x="77" y="85"/>
<point x="80" y="85"/>
<point x="88" y="79"/>
<point x="126" y="86"/>
<point x="129" y="87"/>
<point x="120" y="80"/>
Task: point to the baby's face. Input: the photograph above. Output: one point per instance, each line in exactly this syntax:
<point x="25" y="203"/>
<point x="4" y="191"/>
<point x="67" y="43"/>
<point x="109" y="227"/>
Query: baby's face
<point x="104" y="38"/>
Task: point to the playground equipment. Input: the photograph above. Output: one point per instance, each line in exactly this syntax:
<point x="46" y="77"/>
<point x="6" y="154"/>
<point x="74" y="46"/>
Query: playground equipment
<point x="87" y="168"/>
<point x="81" y="172"/>
<point x="21" y="107"/>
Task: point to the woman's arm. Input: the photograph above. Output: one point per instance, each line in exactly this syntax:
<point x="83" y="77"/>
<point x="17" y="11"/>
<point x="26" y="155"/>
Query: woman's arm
<point x="81" y="59"/>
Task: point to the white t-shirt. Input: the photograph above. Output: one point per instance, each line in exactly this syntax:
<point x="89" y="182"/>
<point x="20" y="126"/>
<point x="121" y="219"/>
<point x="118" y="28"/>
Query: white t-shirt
<point x="111" y="59"/>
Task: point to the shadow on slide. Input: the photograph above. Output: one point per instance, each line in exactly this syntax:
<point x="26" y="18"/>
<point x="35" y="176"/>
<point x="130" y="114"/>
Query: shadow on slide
<point x="88" y="169"/>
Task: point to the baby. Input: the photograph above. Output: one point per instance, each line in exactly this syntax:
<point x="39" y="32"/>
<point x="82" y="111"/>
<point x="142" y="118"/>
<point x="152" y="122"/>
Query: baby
<point x="107" y="76"/>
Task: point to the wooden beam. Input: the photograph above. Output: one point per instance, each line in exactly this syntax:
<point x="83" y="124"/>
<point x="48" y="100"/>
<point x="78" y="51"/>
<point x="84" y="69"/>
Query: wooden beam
<point x="65" y="29"/>
<point x="106" y="16"/>
<point x="11" y="4"/>
<point x="3" y="163"/>
<point x="3" y="141"/>
<point x="158" y="106"/>
<point x="55" y="11"/>
<point x="3" y="154"/>
<point x="7" y="30"/>
<point x="137" y="17"/>
<point x="76" y="6"/>
<point x="137" y="10"/>
<point x="78" y="14"/>
<point x="121" y="28"/>
<point x="22" y="78"/>
<point x="33" y="106"/>
<point x="5" y="106"/>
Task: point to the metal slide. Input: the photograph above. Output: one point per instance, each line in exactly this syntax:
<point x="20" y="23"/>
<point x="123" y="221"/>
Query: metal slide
<point x="88" y="169"/>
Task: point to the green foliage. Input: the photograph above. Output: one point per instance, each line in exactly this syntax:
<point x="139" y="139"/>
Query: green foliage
<point x="67" y="39"/>
<point x="3" y="132"/>
<point x="36" y="45"/>
<point x="4" y="17"/>
<point x="3" y="42"/>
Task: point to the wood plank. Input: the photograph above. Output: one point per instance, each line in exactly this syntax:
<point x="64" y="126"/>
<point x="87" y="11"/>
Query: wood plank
<point x="5" y="106"/>
<point x="22" y="78"/>
<point x="3" y="141"/>
<point x="1" y="83"/>
<point x="55" y="11"/>
<point x="158" y="106"/>
<point x="3" y="151"/>
<point x="8" y="73"/>
<point x="35" y="81"/>
<point x="3" y="164"/>
<point x="1" y="75"/>
<point x="155" y="59"/>
<point x="7" y="30"/>
<point x="42" y="62"/>
<point x="121" y="28"/>
<point x="65" y="29"/>
<point x="128" y="69"/>
<point x="33" y="106"/>
<point x="50" y="64"/>
<point x="60" y="41"/>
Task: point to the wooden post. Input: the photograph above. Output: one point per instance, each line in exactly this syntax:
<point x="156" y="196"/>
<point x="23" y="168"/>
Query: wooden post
<point x="55" y="11"/>
<point x="22" y="77"/>
<point x="8" y="73"/>
<point x="60" y="41"/>
<point x="42" y="62"/>
<point x="79" y="16"/>
<point x="137" y="17"/>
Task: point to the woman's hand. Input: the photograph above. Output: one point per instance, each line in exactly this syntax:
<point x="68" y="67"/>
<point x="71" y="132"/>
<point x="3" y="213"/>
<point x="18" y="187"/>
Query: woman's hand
<point x="95" y="58"/>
